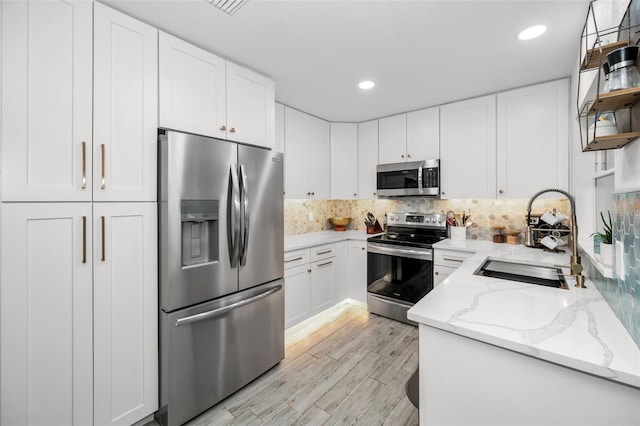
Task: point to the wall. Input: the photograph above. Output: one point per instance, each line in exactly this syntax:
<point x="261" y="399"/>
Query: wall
<point x="484" y="213"/>
<point x="622" y="293"/>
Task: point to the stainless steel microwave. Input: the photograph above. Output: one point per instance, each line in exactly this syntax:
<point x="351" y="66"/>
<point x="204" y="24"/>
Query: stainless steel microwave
<point x="413" y="178"/>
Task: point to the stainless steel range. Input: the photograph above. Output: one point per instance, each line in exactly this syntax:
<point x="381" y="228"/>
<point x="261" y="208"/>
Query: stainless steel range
<point x="400" y="263"/>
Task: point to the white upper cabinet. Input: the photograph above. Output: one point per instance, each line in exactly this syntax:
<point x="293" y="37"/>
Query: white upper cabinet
<point x="392" y="139"/>
<point x="423" y="134"/>
<point x="46" y="100"/>
<point x="125" y="107"/>
<point x="307" y="156"/>
<point x="191" y="89"/>
<point x="344" y="161"/>
<point x="250" y="107"/>
<point x="125" y="316"/>
<point x="468" y="148"/>
<point x="46" y="316"/>
<point x="367" y="159"/>
<point x="204" y="94"/>
<point x="533" y="139"/>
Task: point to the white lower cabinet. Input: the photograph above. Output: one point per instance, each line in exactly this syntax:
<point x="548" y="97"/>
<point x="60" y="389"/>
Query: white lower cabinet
<point x="78" y="321"/>
<point x="125" y="312"/>
<point x="358" y="271"/>
<point x="323" y="285"/>
<point x="46" y="334"/>
<point x="446" y="261"/>
<point x="310" y="284"/>
<point x="297" y="295"/>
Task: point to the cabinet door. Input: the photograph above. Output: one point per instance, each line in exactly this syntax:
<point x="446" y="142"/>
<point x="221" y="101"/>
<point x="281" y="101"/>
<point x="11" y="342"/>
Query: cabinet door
<point x="296" y="174"/>
<point x="191" y="88"/>
<point x="392" y="139"/>
<point x="125" y="312"/>
<point x="323" y="285"/>
<point x="468" y="148"/>
<point x="297" y="295"/>
<point x="46" y="314"/>
<point x="46" y="100"/>
<point x="344" y="161"/>
<point x="367" y="159"/>
<point x="423" y="134"/>
<point x="250" y="107"/>
<point x="342" y="271"/>
<point x="358" y="271"/>
<point x="319" y="158"/>
<point x="533" y="139"/>
<point x="125" y="107"/>
<point x="440" y="273"/>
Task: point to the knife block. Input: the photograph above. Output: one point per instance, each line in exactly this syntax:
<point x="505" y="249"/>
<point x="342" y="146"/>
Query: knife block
<point x="375" y="229"/>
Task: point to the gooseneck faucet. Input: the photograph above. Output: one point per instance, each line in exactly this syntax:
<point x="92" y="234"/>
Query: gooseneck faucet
<point x="576" y="266"/>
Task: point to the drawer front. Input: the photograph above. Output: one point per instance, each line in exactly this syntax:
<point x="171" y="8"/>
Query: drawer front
<point x="296" y="258"/>
<point x="453" y="258"/>
<point x="323" y="252"/>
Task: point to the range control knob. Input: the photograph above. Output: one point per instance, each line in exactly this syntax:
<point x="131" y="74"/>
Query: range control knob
<point x="440" y="220"/>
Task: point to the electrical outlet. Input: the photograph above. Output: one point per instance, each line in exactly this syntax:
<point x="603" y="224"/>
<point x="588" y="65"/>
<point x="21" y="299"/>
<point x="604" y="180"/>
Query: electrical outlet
<point x="310" y="216"/>
<point x="619" y="260"/>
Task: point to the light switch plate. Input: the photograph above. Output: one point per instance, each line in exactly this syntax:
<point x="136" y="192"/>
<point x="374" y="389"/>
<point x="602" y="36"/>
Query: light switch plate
<point x="619" y="260"/>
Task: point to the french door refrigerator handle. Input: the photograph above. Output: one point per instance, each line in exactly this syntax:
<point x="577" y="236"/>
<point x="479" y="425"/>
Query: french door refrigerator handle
<point x="220" y="311"/>
<point x="234" y="220"/>
<point x="244" y="188"/>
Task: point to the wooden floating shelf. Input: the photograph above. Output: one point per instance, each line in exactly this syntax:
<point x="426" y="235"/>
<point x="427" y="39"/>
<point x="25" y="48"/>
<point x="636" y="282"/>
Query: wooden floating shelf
<point x="593" y="58"/>
<point x="601" y="143"/>
<point x="615" y="100"/>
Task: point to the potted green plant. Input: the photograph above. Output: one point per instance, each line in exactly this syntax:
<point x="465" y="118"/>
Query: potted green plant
<point x="606" y="240"/>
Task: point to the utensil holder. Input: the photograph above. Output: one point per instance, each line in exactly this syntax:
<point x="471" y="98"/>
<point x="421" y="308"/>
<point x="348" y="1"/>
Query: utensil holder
<point x="458" y="233"/>
<point x="376" y="229"/>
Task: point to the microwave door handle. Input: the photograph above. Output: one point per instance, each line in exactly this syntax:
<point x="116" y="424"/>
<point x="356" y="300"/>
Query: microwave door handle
<point x="233" y="228"/>
<point x="244" y="186"/>
<point x="420" y="191"/>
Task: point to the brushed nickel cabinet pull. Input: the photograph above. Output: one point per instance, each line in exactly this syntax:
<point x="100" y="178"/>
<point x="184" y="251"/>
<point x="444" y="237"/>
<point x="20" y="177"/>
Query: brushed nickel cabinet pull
<point x="453" y="260"/>
<point x="293" y="260"/>
<point x="232" y="130"/>
<point x="325" y="264"/>
<point x="223" y="128"/>
<point x="103" y="233"/>
<point x="84" y="239"/>
<point x="84" y="165"/>
<point x="323" y="252"/>
<point x="102" y="181"/>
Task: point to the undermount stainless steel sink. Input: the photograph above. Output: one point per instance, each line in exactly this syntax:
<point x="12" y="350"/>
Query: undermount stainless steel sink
<point x="549" y="276"/>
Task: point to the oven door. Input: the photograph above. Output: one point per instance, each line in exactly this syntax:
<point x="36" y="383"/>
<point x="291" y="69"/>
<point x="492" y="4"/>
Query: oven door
<point x="398" y="276"/>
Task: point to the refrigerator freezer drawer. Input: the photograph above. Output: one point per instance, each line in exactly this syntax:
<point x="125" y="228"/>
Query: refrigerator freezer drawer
<point x="211" y="350"/>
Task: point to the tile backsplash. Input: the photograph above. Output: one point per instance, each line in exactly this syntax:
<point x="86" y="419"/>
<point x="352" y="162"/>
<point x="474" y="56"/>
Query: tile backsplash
<point x="622" y="293"/>
<point x="484" y="213"/>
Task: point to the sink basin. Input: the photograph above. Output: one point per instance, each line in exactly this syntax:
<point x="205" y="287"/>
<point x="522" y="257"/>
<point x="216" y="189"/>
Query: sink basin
<point x="549" y="276"/>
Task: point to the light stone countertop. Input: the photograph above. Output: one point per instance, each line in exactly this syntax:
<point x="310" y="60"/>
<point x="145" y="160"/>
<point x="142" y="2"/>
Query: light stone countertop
<point x="311" y="239"/>
<point x="574" y="328"/>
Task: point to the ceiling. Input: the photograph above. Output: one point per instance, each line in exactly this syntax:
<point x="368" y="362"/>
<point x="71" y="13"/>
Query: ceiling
<point x="420" y="53"/>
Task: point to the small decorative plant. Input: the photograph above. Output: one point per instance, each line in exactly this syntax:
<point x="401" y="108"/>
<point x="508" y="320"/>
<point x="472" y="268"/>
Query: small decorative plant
<point x="607" y="235"/>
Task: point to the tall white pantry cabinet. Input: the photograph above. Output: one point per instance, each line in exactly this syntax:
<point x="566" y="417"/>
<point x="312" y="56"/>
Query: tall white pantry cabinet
<point x="78" y="221"/>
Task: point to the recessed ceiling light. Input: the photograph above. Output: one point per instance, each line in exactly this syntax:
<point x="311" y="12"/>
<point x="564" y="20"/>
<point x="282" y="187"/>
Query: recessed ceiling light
<point x="367" y="84"/>
<point x="532" y="32"/>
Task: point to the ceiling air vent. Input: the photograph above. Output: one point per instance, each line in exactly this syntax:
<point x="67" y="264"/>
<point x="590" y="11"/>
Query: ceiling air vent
<point x="228" y="6"/>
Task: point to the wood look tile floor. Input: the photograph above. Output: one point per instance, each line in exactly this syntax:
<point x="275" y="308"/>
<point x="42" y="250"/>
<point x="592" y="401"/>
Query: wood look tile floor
<point x="342" y="367"/>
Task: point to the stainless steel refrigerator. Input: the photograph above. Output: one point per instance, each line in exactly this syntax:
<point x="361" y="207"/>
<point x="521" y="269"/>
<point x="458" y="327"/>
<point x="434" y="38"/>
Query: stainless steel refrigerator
<point x="221" y="262"/>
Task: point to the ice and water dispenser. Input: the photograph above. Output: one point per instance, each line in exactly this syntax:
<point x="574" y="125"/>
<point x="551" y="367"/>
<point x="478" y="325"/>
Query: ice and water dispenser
<point x="199" y="232"/>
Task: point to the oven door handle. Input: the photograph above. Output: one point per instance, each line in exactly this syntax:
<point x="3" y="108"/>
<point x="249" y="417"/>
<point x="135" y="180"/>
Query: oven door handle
<point x="420" y="254"/>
